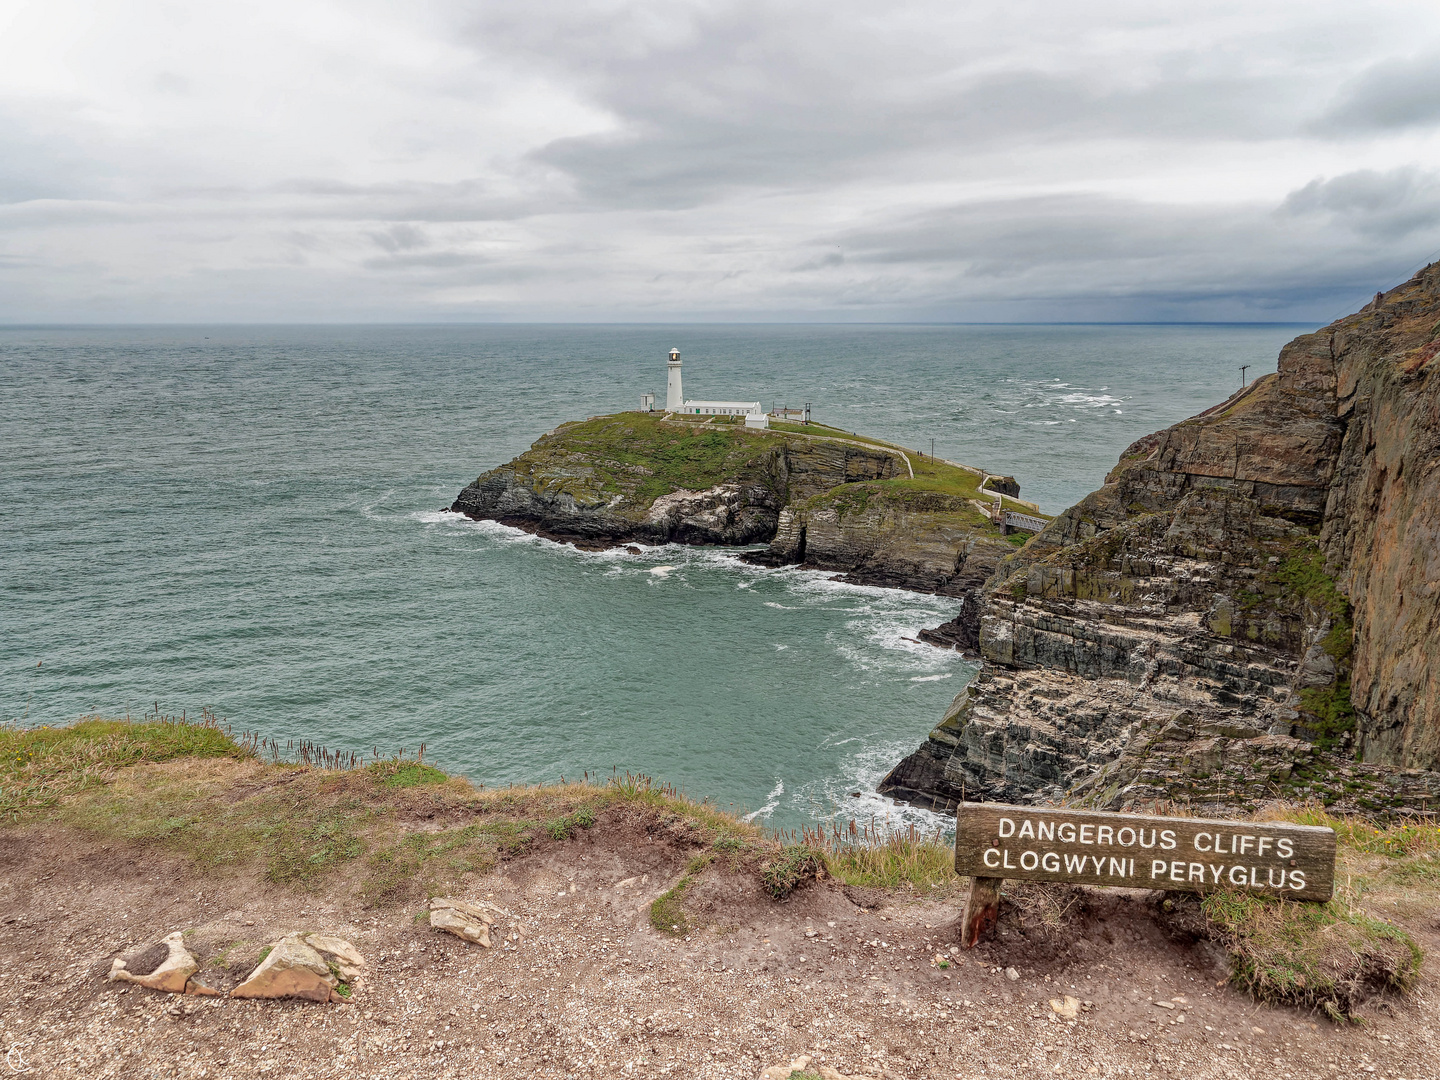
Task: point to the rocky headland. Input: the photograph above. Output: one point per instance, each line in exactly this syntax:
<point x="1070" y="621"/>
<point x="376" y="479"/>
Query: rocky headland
<point x="817" y="497"/>
<point x="1249" y="608"/>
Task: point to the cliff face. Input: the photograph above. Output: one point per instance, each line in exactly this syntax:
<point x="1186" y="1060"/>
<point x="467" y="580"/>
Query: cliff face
<point x="1247" y="607"/>
<point x="892" y="538"/>
<point x="826" y="503"/>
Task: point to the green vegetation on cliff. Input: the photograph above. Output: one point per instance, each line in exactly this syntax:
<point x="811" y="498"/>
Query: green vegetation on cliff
<point x="1304" y="578"/>
<point x="638" y="455"/>
<point x="642" y="456"/>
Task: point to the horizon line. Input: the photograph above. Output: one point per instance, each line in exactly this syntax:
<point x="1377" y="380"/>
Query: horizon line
<point x="418" y="323"/>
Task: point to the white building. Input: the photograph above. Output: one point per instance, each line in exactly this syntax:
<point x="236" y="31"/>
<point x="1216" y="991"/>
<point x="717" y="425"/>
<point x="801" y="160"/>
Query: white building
<point x="676" y="402"/>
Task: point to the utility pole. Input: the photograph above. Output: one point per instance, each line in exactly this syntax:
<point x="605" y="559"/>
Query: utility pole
<point x="932" y="449"/>
<point x="1242" y="375"/>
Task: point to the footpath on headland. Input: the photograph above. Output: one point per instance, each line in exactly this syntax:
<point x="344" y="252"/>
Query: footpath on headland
<point x="646" y="935"/>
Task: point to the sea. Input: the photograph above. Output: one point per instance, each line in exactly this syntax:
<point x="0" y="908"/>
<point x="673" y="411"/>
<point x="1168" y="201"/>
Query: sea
<point x="247" y="520"/>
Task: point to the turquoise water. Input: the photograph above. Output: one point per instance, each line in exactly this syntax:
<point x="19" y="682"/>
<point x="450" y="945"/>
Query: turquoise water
<point x="247" y="519"/>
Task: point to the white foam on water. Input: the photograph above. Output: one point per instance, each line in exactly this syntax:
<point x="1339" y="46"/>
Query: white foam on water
<point x="772" y="801"/>
<point x="662" y="572"/>
<point x="501" y="534"/>
<point x="779" y="648"/>
<point x="780" y="607"/>
<point x="931" y="678"/>
<point x="1088" y="401"/>
<point x="851" y="795"/>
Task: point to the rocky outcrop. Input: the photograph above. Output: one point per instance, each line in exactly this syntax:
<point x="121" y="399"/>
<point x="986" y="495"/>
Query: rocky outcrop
<point x="1248" y="605"/>
<point x="471" y="921"/>
<point x="166" y="966"/>
<point x="819" y="502"/>
<point x="922" y="540"/>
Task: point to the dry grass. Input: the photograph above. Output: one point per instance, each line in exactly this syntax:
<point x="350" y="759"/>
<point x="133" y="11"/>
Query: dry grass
<point x="193" y="789"/>
<point x="40" y="766"/>
<point x="864" y="855"/>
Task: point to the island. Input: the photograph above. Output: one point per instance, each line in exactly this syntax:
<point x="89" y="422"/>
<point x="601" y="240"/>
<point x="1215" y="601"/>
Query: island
<point x="813" y="496"/>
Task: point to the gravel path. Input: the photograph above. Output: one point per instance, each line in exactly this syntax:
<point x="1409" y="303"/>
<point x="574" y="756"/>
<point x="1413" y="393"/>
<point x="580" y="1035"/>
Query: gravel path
<point x="589" y="989"/>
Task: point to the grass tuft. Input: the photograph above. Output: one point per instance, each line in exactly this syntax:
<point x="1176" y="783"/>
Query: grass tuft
<point x="870" y="857"/>
<point x="40" y="766"/>
<point x="794" y="865"/>
<point x="1328" y="956"/>
<point x="667" y="911"/>
<point x="562" y="828"/>
<point x="396" y="774"/>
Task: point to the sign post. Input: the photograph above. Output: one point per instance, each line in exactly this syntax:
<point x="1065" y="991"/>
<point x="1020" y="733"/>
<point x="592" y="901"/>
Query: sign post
<point x="994" y="842"/>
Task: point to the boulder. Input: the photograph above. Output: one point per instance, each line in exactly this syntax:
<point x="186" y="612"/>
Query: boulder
<point x="167" y="965"/>
<point x="306" y="966"/>
<point x="471" y="921"/>
<point x="1067" y="1007"/>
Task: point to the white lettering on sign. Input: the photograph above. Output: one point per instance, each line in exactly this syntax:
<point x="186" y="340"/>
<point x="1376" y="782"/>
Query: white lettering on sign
<point x="1168" y="871"/>
<point x="1139" y="851"/>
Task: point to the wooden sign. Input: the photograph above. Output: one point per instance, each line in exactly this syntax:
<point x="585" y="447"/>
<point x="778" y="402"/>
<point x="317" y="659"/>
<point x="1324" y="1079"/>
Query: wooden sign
<point x="994" y="841"/>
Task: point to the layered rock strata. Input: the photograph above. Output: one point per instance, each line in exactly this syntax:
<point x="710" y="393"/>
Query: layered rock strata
<point x="921" y="540"/>
<point x="1248" y="608"/>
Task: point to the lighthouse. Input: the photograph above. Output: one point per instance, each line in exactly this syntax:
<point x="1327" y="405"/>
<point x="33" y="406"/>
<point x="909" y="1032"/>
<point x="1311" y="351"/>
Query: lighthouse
<point x="675" y="402"/>
<point x="674" y="399"/>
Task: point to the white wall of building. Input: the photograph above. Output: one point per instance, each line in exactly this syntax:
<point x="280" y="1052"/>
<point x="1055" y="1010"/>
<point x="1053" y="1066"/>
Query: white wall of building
<point x="720" y="408"/>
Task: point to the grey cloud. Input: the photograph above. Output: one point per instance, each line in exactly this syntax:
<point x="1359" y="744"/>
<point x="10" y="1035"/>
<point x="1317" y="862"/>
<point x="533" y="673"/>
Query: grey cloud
<point x="1388" y="206"/>
<point x="1391" y="95"/>
<point x="430" y="260"/>
<point x="1124" y="258"/>
<point x="734" y="158"/>
<point x="402" y="236"/>
<point x="821" y="262"/>
<point x="671" y="153"/>
<point x="712" y="98"/>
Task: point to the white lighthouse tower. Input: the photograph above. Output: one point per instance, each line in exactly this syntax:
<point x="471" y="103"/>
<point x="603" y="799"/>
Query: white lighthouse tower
<point x="674" y="399"/>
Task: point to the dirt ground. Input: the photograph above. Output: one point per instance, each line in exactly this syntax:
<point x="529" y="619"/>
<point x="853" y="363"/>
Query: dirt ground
<point x="590" y="989"/>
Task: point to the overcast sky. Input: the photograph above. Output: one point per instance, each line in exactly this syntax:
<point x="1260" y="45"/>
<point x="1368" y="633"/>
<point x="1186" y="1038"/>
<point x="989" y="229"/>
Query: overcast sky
<point x="720" y="159"/>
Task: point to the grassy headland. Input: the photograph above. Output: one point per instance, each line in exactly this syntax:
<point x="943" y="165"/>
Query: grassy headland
<point x="396" y="830"/>
<point x="642" y="456"/>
